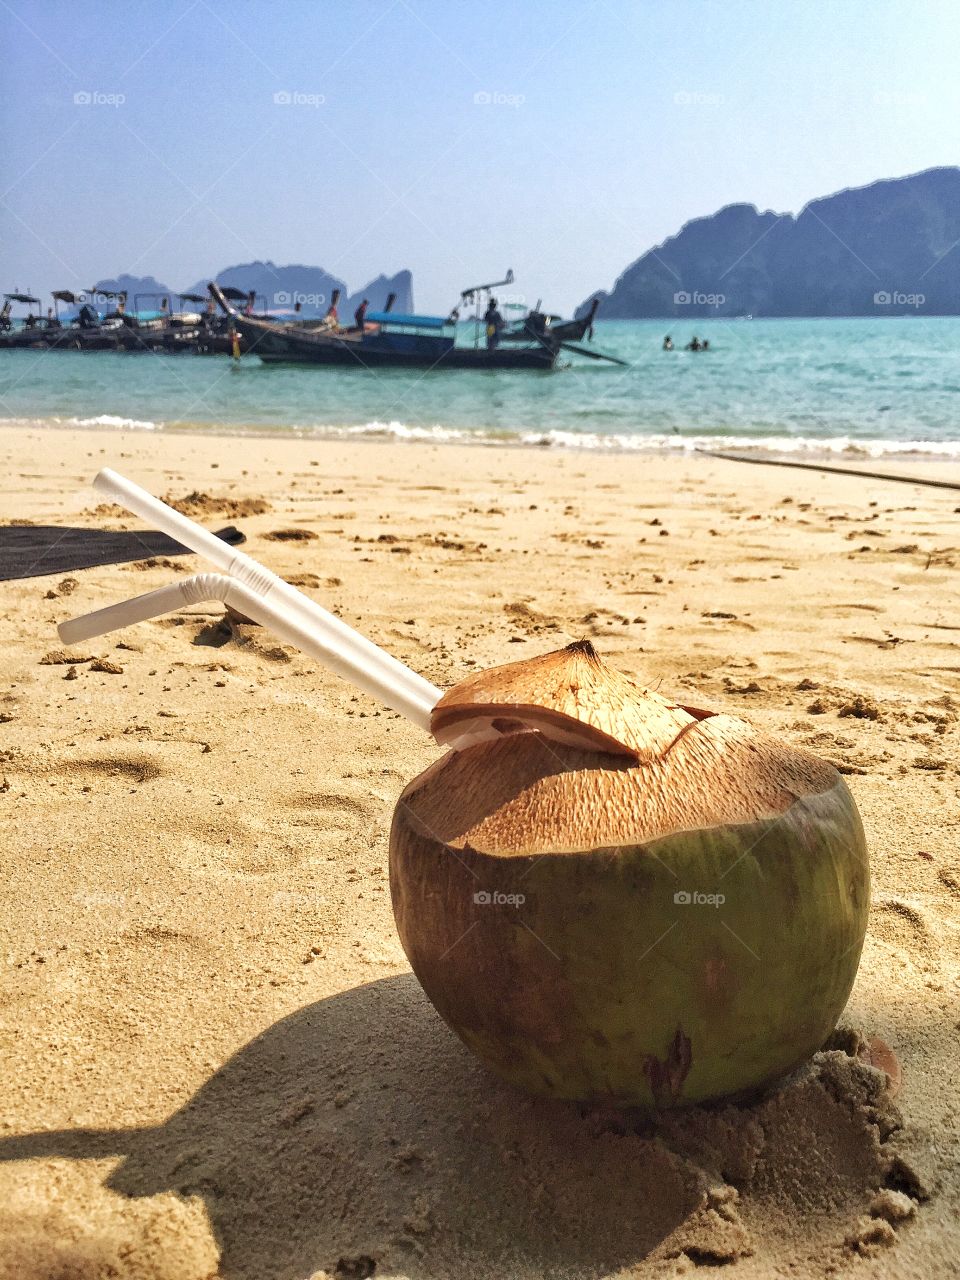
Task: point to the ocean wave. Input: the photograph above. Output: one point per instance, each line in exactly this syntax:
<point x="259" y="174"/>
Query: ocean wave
<point x="620" y="442"/>
<point x="112" y="420"/>
<point x="812" y="447"/>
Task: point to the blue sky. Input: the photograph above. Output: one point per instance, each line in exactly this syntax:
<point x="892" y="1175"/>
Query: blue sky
<point x="454" y="137"/>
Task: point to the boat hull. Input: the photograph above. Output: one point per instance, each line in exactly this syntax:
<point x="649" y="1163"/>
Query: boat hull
<point x="453" y="358"/>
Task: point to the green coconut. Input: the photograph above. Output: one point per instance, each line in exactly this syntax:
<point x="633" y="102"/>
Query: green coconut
<point x="616" y="899"/>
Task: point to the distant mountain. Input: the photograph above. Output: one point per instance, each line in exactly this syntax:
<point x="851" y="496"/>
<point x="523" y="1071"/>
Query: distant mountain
<point x="280" y="288"/>
<point x="890" y="248"/>
<point x="151" y="290"/>
<point x="277" y="288"/>
<point x="377" y="291"/>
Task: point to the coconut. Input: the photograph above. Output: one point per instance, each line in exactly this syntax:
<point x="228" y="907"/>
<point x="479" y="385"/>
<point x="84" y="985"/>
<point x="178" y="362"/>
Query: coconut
<point x="617" y="899"/>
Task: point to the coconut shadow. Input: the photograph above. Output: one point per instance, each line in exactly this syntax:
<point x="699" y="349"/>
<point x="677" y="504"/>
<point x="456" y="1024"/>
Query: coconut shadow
<point x="360" y="1131"/>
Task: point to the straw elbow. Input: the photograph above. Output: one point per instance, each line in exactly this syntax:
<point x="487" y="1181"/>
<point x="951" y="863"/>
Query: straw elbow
<point x="203" y="588"/>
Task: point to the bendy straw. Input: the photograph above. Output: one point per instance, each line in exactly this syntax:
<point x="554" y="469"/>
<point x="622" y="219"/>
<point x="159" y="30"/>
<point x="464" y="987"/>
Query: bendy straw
<point x="253" y="590"/>
<point x="338" y="653"/>
<point x="251" y="573"/>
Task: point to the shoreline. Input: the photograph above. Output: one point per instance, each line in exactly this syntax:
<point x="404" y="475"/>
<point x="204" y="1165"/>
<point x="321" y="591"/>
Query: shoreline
<point x="796" y="449"/>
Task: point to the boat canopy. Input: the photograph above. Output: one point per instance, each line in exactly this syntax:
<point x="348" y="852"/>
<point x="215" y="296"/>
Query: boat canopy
<point x="395" y="318"/>
<point x="65" y="295"/>
<point x="22" y="297"/>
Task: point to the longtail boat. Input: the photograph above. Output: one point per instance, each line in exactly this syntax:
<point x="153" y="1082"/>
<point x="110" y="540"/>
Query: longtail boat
<point x="388" y="338"/>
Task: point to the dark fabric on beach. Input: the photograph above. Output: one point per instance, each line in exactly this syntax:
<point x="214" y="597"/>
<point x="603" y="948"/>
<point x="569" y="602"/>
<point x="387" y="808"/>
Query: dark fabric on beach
<point x="33" y="550"/>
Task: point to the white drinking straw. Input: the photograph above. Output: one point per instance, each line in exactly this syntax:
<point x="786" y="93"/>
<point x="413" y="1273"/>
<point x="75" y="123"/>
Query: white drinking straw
<point x="248" y="571"/>
<point x="344" y="659"/>
<point x="253" y="590"/>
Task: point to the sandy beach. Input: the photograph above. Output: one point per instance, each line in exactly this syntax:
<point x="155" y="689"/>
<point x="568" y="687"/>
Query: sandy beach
<point x="213" y="1056"/>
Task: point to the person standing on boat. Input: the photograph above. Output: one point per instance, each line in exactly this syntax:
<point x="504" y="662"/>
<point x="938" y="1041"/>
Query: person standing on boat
<point x="360" y="315"/>
<point x="494" y="323"/>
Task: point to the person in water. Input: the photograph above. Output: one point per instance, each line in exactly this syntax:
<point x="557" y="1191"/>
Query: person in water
<point x="360" y="315"/>
<point x="493" y="321"/>
<point x="668" y="343"/>
<point x="694" y="344"/>
<point x="706" y="345"/>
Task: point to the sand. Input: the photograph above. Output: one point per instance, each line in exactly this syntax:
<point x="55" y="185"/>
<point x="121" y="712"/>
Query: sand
<point x="214" y="1059"/>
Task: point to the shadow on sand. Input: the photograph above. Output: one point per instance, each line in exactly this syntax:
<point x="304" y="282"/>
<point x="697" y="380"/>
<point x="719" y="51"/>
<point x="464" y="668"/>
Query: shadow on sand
<point x="359" y="1136"/>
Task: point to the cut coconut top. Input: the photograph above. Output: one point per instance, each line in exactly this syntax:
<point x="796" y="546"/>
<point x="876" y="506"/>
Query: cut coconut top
<point x="523" y="794"/>
<point x="571" y="696"/>
<point x="569" y="754"/>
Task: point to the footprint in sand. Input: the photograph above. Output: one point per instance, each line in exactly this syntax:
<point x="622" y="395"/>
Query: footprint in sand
<point x="290" y="535"/>
<point x="265" y="843"/>
<point x="904" y="928"/>
<point x="99" y="771"/>
<point x="340" y="820"/>
<point x="247" y="846"/>
<point x="154" y="940"/>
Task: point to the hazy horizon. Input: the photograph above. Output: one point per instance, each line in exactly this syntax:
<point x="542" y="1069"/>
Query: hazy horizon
<point x="562" y="140"/>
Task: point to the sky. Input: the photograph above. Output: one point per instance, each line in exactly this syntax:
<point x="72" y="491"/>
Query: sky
<point x="456" y="138"/>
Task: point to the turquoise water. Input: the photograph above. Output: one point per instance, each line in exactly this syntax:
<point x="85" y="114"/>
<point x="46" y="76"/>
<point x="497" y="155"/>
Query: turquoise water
<point x="859" y="386"/>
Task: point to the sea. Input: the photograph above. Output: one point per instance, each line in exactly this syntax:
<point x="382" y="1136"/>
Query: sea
<point x="848" y="388"/>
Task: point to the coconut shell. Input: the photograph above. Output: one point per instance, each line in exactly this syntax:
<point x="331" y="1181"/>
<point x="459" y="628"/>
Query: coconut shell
<point x="676" y="919"/>
<point x="569" y="695"/>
